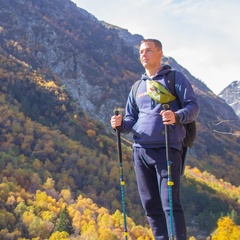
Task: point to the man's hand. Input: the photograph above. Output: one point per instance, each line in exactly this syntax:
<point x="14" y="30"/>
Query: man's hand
<point x="168" y="117"/>
<point x="116" y="121"/>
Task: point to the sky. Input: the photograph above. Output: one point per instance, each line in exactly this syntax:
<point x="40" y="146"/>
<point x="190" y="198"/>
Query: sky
<point x="203" y="36"/>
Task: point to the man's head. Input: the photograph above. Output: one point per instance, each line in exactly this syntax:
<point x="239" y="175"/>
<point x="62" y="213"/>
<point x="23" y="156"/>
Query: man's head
<point x="156" y="42"/>
<point x="151" y="54"/>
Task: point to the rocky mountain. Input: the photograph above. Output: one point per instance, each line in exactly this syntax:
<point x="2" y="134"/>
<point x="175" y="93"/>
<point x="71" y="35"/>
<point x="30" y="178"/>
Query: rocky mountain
<point x="231" y="95"/>
<point x="97" y="63"/>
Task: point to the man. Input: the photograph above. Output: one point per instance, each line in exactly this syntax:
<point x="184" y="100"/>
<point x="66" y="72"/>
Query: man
<point x="146" y="118"/>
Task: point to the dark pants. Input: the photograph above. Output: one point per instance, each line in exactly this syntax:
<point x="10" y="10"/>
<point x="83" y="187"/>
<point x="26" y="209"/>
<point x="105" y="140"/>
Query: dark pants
<point x="151" y="172"/>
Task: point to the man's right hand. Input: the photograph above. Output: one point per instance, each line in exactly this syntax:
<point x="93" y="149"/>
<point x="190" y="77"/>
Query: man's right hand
<point x="116" y="121"/>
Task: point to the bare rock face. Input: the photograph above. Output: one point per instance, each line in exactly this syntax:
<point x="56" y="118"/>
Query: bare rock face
<point x="231" y="95"/>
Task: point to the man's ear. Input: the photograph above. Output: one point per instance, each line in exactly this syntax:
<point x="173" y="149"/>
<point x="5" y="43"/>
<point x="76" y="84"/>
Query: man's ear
<point x="160" y="53"/>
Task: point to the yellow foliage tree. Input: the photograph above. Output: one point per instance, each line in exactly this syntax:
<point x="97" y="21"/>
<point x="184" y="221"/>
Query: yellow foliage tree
<point x="59" y="236"/>
<point x="226" y="230"/>
<point x="139" y="231"/>
<point x="91" y="133"/>
<point x="105" y="221"/>
<point x="117" y="219"/>
<point x="107" y="234"/>
<point x="40" y="228"/>
<point x="192" y="238"/>
<point x="49" y="184"/>
<point x="10" y="201"/>
<point x="27" y="218"/>
<point x="89" y="231"/>
<point x="66" y="195"/>
<point x="47" y="215"/>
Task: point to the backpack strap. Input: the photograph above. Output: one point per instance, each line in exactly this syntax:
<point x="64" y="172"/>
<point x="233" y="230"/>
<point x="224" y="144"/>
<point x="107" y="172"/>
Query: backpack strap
<point x="134" y="90"/>
<point x="170" y="83"/>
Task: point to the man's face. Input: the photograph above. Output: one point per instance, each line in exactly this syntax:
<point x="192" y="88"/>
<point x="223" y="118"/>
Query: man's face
<point x="150" y="56"/>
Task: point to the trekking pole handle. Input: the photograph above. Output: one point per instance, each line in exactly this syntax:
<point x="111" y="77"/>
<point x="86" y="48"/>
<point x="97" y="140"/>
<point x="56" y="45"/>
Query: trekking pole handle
<point x="118" y="128"/>
<point x="116" y="113"/>
<point x="166" y="107"/>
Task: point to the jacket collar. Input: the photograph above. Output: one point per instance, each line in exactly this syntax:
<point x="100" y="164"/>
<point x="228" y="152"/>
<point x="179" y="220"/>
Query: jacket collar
<point x="165" y="69"/>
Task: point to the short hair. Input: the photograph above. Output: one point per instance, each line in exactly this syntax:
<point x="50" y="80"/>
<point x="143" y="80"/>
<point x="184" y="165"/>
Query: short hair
<point x="156" y="42"/>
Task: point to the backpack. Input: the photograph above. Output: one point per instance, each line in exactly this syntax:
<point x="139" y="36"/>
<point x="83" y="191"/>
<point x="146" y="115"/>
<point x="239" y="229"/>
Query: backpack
<point x="191" y="129"/>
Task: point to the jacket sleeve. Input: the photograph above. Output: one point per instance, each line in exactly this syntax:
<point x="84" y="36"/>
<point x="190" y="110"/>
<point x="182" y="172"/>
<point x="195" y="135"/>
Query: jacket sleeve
<point x="187" y="98"/>
<point x="131" y="113"/>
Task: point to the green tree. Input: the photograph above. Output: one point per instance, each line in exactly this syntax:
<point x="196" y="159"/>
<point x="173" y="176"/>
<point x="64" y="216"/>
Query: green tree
<point x="65" y="222"/>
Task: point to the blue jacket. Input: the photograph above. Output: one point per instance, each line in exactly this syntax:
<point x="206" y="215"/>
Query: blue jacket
<point x="143" y="116"/>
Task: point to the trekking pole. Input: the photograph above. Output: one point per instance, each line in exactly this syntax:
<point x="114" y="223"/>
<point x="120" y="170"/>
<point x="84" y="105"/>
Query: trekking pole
<point x="169" y="182"/>
<point x="122" y="183"/>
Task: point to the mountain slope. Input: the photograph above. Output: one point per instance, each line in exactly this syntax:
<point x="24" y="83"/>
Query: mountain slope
<point x="62" y="72"/>
<point x="97" y="66"/>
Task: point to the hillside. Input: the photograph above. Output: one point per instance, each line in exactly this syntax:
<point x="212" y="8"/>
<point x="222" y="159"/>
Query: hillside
<point x="62" y="72"/>
<point x="97" y="65"/>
